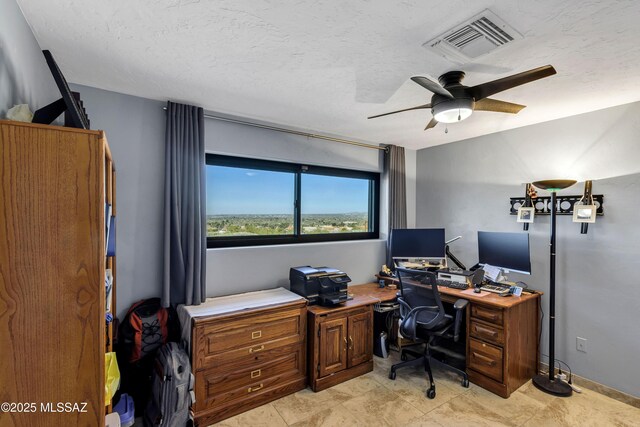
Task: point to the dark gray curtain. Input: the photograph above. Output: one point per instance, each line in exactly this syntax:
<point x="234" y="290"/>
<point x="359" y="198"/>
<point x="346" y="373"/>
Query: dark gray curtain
<point x="394" y="169"/>
<point x="185" y="237"/>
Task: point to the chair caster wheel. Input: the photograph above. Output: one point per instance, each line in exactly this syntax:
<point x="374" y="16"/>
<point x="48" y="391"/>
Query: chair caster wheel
<point x="392" y="375"/>
<point x="431" y="393"/>
<point x="465" y="383"/>
<point x="403" y="357"/>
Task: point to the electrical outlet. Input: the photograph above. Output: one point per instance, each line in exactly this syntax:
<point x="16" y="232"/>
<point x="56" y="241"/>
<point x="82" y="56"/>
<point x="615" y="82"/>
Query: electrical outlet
<point x="581" y="344"/>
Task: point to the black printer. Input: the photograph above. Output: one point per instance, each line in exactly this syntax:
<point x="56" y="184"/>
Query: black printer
<point x="320" y="285"/>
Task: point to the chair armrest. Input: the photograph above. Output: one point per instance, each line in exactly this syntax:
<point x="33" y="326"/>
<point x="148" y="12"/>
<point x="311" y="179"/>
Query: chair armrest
<point x="459" y="306"/>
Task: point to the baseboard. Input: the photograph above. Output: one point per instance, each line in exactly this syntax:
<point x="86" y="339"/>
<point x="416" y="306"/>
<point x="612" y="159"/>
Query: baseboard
<point x="599" y="388"/>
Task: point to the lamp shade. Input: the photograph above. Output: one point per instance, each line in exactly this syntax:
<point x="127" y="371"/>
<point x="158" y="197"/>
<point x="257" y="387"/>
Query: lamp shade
<point x="453" y="110"/>
<point x="554" y="184"/>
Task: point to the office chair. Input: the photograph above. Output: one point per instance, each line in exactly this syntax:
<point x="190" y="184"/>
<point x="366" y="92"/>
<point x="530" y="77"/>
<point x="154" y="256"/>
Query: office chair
<point x="424" y="320"/>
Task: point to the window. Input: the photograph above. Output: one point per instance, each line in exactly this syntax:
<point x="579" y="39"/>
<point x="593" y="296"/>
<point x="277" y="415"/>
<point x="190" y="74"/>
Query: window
<point x="259" y="202"/>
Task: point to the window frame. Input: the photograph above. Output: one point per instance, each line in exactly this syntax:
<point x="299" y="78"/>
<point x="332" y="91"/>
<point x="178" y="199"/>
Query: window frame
<point x="298" y="169"/>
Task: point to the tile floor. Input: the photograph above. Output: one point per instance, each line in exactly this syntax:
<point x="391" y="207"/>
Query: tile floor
<point x="375" y="400"/>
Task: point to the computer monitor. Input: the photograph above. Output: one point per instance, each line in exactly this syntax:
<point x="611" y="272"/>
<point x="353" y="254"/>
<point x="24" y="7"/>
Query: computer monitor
<point x="417" y="243"/>
<point x="507" y="251"/>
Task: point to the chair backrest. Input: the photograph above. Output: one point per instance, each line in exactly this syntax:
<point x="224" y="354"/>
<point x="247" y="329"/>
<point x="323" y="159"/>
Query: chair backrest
<point x="419" y="289"/>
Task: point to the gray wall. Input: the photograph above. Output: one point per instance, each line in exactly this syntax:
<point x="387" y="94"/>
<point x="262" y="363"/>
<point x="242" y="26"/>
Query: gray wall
<point x="24" y="75"/>
<point x="252" y="268"/>
<point x="135" y="129"/>
<point x="465" y="187"/>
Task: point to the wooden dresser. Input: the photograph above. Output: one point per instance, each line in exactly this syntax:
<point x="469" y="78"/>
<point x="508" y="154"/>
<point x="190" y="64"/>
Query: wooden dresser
<point x="340" y="341"/>
<point x="54" y="183"/>
<point x="245" y="358"/>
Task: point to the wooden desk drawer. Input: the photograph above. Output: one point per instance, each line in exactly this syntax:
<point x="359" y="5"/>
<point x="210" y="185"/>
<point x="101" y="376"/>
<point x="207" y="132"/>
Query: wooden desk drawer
<point x="251" y="332"/>
<point x="486" y="359"/>
<point x="215" y="386"/>
<point x="486" y="331"/>
<point x="489" y="314"/>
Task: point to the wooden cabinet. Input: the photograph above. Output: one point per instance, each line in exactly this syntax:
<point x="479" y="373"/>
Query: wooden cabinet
<point x="54" y="183"/>
<point x="340" y="342"/>
<point x="243" y="359"/>
<point x="502" y="343"/>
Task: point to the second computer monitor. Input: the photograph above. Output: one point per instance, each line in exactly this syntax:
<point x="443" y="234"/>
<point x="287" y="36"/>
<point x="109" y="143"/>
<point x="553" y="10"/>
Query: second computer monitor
<point x="417" y="243"/>
<point x="508" y="251"/>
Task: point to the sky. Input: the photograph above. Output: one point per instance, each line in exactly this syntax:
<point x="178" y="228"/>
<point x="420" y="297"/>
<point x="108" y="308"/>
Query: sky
<point x="250" y="191"/>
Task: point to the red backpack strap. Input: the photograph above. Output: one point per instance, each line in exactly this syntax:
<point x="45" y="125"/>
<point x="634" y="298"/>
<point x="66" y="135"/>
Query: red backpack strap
<point x="163" y="318"/>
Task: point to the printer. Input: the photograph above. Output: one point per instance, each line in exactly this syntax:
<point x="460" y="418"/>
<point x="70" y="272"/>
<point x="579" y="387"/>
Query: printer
<point x="320" y="285"/>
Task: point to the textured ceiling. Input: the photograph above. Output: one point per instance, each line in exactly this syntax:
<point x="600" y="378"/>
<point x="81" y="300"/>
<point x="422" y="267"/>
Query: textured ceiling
<point x="325" y="65"/>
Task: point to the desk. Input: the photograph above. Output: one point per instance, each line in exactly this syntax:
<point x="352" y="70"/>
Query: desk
<point x="501" y="335"/>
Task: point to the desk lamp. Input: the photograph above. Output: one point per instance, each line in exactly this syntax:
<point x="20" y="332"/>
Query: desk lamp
<point x="550" y="384"/>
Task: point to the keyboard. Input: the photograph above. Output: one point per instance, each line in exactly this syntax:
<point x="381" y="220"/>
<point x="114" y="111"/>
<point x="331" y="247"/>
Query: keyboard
<point x="450" y="284"/>
<point x="496" y="289"/>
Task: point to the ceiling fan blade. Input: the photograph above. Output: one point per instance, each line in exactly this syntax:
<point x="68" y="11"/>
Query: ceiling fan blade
<point x="485" y="90"/>
<point x="489" y="104"/>
<point x="431" y="124"/>
<point x="432" y="86"/>
<point x="400" y="111"/>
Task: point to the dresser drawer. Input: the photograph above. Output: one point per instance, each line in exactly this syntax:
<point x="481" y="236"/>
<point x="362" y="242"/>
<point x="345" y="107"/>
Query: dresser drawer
<point x="235" y="334"/>
<point x="217" y="386"/>
<point x="226" y="341"/>
<point x="486" y="331"/>
<point x="486" y="359"/>
<point x="489" y="314"/>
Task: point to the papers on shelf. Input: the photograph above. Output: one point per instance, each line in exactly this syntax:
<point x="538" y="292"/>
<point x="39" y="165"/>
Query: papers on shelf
<point x="108" y="284"/>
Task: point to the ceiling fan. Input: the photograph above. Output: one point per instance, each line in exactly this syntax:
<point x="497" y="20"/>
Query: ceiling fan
<point x="452" y="101"/>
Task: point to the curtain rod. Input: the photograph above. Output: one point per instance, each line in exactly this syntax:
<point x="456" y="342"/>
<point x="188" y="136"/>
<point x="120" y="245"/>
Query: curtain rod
<point x="294" y="132"/>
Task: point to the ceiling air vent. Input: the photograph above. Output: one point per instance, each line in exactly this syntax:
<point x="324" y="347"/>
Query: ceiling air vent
<point x="473" y="38"/>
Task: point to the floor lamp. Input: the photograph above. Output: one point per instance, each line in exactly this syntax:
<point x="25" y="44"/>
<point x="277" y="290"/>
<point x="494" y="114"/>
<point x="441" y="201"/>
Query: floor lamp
<point x="550" y="384"/>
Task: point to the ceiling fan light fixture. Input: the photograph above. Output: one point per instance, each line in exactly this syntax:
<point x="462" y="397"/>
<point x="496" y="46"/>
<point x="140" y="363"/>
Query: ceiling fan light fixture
<point x="452" y="111"/>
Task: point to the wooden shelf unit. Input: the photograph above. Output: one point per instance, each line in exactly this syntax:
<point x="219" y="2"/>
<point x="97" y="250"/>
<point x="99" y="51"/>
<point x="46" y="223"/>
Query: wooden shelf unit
<point x="54" y="182"/>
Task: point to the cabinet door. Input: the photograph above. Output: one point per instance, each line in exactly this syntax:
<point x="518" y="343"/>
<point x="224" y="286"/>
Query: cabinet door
<point x="333" y="346"/>
<point x="360" y="338"/>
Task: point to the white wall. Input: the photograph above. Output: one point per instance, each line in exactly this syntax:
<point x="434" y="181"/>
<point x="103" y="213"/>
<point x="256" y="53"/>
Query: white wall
<point x="465" y="187"/>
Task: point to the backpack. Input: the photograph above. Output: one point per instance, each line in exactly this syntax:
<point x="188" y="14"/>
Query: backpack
<point x="146" y="327"/>
<point x="171" y="389"/>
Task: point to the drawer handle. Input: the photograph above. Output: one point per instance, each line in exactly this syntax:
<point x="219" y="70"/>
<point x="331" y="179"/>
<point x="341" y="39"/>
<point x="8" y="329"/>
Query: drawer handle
<point x="486" y="331"/>
<point x="255" y="335"/>
<point x="256" y="373"/>
<point x="256" y="349"/>
<point x="351" y="341"/>
<point x="485" y="359"/>
<point x="346" y="344"/>
<point x="256" y="388"/>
